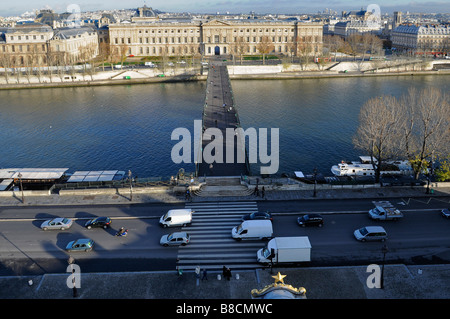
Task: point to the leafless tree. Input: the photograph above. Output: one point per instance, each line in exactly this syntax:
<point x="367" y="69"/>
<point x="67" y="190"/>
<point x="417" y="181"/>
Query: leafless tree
<point x="239" y="47"/>
<point x="378" y="129"/>
<point x="425" y="126"/>
<point x="265" y="46"/>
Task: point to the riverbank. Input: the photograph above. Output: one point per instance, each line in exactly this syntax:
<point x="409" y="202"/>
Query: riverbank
<point x="237" y="72"/>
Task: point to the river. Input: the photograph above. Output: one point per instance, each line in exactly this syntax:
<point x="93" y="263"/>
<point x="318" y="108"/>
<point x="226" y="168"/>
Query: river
<point x="129" y="127"/>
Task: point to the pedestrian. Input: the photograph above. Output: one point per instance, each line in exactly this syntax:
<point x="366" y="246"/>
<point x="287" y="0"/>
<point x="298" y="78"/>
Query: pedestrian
<point x="263" y="192"/>
<point x="256" y="192"/>
<point x="228" y="274"/>
<point x="224" y="272"/>
<point x="204" y="275"/>
<point x="197" y="272"/>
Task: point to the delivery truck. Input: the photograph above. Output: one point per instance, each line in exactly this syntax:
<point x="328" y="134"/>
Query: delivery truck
<point x="385" y="213"/>
<point x="285" y="250"/>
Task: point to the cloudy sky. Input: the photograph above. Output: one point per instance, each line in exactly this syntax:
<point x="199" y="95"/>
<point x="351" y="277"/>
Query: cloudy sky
<point x="232" y="6"/>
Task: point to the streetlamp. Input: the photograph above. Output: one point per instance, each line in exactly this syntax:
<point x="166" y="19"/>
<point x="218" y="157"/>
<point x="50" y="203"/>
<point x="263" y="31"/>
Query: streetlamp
<point x="384" y="250"/>
<point x="21" y="187"/>
<point x="131" y="185"/>
<point x="315" y="182"/>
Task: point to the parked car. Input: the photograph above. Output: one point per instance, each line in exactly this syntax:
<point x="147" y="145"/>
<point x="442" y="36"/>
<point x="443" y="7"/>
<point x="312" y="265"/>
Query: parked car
<point x="445" y="213"/>
<point x="82" y="244"/>
<point x="175" y="239"/>
<point x="60" y="223"/>
<point x="310" y="220"/>
<point x="257" y="215"/>
<point x="103" y="222"/>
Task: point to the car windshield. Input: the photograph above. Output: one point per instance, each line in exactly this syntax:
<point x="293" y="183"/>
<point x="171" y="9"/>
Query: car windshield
<point x="169" y="237"/>
<point x="65" y="220"/>
<point x="363" y="231"/>
<point x="239" y="229"/>
<point x="306" y="217"/>
<point x="266" y="253"/>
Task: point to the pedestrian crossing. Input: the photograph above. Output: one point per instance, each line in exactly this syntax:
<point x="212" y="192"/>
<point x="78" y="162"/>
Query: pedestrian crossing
<point x="211" y="245"/>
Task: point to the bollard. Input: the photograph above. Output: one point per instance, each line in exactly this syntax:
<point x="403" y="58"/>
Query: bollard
<point x="237" y="276"/>
<point x="218" y="277"/>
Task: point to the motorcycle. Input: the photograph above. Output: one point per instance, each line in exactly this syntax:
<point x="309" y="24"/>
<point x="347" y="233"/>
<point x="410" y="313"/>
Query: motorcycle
<point x="122" y="232"/>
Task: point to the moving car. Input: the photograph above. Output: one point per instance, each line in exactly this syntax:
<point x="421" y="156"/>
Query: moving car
<point x="176" y="217"/>
<point x="370" y="233"/>
<point x="82" y="244"/>
<point x="103" y="222"/>
<point x="257" y="215"/>
<point x="310" y="220"/>
<point x="175" y="239"/>
<point x="60" y="223"/>
<point x="445" y="213"/>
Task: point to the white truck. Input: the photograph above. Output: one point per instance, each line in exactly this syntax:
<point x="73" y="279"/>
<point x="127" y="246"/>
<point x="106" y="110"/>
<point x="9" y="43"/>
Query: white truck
<point x="285" y="250"/>
<point x="385" y="213"/>
<point x="176" y="218"/>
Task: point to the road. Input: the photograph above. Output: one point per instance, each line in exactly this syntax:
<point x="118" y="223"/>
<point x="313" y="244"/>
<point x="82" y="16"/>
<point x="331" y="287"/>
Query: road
<point x="422" y="236"/>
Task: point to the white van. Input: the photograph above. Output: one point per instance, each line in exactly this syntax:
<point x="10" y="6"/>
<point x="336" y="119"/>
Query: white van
<point x="176" y="217"/>
<point x="253" y="229"/>
<point x="150" y="64"/>
<point x="370" y="233"/>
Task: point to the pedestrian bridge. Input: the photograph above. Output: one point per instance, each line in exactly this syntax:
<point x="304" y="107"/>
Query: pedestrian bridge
<point x="220" y="114"/>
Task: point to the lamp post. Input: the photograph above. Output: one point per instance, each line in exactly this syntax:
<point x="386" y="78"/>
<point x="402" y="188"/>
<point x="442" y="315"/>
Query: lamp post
<point x="21" y="187"/>
<point x="315" y="182"/>
<point x="131" y="185"/>
<point x="384" y="250"/>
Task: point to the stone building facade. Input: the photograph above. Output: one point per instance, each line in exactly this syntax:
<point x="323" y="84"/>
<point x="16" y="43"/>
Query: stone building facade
<point x="419" y="39"/>
<point x="214" y="37"/>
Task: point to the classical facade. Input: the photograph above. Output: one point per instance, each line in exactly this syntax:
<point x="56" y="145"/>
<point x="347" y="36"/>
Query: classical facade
<point x="78" y="44"/>
<point x="213" y="37"/>
<point x="431" y="39"/>
<point x="25" y="44"/>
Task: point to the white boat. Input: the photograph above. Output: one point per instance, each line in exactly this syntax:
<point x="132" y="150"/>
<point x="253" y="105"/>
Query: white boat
<point x="364" y="167"/>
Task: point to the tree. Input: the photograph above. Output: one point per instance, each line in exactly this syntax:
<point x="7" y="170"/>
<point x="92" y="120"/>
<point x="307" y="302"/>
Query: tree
<point x="377" y="131"/>
<point x="265" y="46"/>
<point x="425" y="125"/>
<point x="239" y="47"/>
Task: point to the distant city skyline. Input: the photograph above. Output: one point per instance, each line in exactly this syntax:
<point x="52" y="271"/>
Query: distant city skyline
<point x="232" y="6"/>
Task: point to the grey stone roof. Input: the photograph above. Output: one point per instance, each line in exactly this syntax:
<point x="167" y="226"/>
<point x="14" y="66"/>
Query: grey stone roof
<point x="67" y="33"/>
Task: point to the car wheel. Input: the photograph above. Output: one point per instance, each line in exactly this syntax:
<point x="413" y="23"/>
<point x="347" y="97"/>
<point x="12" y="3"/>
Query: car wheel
<point x="45" y="228"/>
<point x="165" y="245"/>
<point x="320" y="225"/>
<point x="183" y="244"/>
<point x="105" y="227"/>
<point x="88" y="227"/>
<point x="62" y="228"/>
<point x="303" y="225"/>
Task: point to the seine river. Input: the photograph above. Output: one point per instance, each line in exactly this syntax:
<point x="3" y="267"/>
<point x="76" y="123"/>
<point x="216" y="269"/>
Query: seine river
<point x="129" y="127"/>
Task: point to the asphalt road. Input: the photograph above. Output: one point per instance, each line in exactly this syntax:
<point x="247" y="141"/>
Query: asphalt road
<point x="421" y="236"/>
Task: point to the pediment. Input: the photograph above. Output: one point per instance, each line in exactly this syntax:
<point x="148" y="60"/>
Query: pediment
<point x="216" y="23"/>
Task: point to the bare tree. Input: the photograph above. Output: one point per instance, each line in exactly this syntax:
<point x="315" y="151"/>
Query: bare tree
<point x="425" y="126"/>
<point x="378" y="131"/>
<point x="239" y="47"/>
<point x="265" y="46"/>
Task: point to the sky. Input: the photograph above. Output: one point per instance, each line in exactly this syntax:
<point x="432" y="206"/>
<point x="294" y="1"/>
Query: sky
<point x="233" y="6"/>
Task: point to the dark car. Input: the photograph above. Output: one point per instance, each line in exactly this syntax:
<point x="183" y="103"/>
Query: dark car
<point x="310" y="220"/>
<point x="103" y="222"/>
<point x="257" y="215"/>
<point x="445" y="213"/>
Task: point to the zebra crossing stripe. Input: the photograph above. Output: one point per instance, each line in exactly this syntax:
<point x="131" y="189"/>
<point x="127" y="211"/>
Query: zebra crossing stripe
<point x="211" y="245"/>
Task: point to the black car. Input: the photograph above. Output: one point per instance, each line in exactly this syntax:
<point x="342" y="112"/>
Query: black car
<point x="104" y="222"/>
<point x="310" y="220"/>
<point x="257" y="215"/>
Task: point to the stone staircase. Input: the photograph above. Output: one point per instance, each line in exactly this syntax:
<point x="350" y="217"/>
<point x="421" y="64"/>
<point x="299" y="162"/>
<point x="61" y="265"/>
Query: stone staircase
<point x="223" y="186"/>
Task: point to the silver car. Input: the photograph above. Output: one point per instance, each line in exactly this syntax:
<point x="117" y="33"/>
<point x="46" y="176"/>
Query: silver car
<point x="60" y="223"/>
<point x="175" y="239"/>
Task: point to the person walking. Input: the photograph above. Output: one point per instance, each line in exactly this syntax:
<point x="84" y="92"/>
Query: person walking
<point x="228" y="274"/>
<point x="263" y="192"/>
<point x="204" y="275"/>
<point x="256" y="192"/>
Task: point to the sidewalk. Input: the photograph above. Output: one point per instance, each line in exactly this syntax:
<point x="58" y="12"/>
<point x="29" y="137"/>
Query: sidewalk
<point x="274" y="195"/>
<point x="400" y="282"/>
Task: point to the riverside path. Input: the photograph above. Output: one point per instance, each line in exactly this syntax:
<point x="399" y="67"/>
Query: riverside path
<point x="220" y="112"/>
